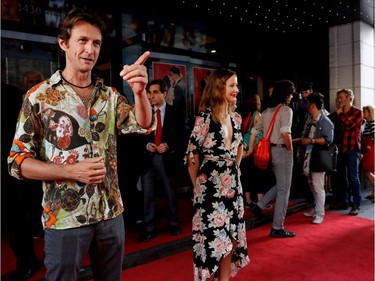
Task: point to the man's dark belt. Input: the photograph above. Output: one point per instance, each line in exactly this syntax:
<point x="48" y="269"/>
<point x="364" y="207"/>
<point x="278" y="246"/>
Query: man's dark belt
<point x="278" y="145"/>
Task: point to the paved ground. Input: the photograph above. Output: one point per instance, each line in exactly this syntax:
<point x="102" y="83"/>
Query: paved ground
<point x="367" y="207"/>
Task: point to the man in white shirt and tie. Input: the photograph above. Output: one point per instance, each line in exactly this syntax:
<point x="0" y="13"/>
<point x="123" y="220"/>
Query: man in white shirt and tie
<point x="164" y="154"/>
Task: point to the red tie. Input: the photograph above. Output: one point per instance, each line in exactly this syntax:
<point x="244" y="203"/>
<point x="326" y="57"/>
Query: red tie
<point x="158" y="128"/>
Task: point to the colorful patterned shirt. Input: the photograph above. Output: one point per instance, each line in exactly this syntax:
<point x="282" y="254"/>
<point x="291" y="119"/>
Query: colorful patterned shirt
<point x="350" y="126"/>
<point x="56" y="126"/>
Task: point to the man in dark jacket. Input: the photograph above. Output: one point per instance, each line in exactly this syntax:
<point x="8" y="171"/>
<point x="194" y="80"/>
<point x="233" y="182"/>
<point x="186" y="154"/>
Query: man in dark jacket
<point x="164" y="152"/>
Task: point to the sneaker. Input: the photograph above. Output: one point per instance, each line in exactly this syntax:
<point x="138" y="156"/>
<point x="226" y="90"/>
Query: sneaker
<point x="281" y="233"/>
<point x="247" y="205"/>
<point x="318" y="219"/>
<point x="310" y="213"/>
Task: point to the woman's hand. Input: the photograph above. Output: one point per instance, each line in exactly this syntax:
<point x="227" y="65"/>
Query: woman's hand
<point x="246" y="154"/>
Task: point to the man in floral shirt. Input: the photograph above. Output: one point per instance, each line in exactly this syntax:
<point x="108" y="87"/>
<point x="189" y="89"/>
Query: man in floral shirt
<point x="66" y="137"/>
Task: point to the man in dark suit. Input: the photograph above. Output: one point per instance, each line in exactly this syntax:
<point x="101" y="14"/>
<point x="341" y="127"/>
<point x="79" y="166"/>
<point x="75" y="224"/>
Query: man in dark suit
<point x="164" y="151"/>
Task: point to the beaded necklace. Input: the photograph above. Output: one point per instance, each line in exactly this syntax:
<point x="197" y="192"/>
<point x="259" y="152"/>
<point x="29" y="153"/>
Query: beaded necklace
<point x="70" y="83"/>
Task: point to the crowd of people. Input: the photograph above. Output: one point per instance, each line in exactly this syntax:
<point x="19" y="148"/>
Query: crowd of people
<point x="349" y="127"/>
<point x="66" y="137"/>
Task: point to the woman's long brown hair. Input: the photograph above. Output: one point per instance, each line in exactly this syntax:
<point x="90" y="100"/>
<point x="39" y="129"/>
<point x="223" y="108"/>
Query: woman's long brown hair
<point x="214" y="94"/>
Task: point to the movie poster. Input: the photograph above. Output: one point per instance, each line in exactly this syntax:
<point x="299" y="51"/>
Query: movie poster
<point x="174" y="76"/>
<point x="200" y="75"/>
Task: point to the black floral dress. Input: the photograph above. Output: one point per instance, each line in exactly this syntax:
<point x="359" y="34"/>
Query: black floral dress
<point x="218" y="210"/>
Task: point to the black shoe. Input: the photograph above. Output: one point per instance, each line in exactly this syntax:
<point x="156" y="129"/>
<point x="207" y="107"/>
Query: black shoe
<point x="256" y="210"/>
<point x="140" y="226"/>
<point x="281" y="233"/>
<point x="148" y="235"/>
<point x="174" y="230"/>
<point x="369" y="197"/>
<point x="22" y="274"/>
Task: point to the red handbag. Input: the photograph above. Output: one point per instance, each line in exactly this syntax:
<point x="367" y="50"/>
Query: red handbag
<point x="262" y="152"/>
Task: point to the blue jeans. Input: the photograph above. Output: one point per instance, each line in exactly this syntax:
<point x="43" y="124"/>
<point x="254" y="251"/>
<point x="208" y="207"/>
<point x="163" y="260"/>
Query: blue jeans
<point x="348" y="174"/>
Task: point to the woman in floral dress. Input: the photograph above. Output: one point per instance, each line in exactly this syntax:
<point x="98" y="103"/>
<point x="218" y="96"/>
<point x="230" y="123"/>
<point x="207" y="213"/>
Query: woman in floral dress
<point x="213" y="158"/>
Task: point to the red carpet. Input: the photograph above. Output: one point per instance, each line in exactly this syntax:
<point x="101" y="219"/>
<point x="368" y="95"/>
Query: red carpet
<point x="131" y="242"/>
<point x="185" y="215"/>
<point x="341" y="248"/>
<point x="338" y="233"/>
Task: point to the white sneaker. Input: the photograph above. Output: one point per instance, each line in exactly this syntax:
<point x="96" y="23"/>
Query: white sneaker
<point x="318" y="219"/>
<point x="310" y="213"/>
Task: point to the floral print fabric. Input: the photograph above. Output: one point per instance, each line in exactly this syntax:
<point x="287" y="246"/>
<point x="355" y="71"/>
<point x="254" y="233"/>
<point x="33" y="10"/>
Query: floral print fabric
<point x="55" y="126"/>
<point x="218" y="210"/>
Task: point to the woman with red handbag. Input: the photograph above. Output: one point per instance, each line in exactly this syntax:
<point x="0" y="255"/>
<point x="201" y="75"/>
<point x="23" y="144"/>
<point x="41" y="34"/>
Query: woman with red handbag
<point x="368" y="147"/>
<point x="281" y="155"/>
